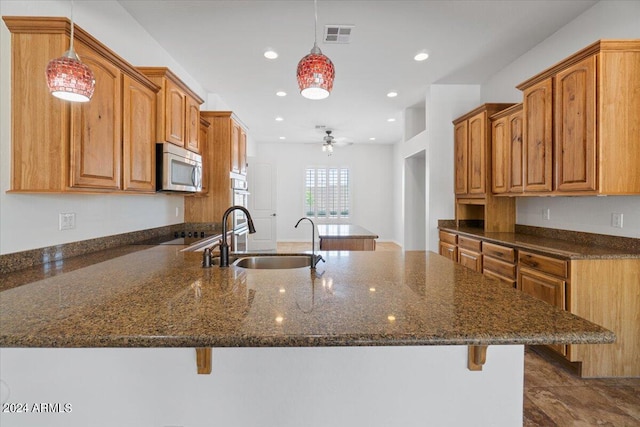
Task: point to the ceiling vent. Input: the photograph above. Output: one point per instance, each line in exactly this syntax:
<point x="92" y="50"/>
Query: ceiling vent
<point x="338" y="33"/>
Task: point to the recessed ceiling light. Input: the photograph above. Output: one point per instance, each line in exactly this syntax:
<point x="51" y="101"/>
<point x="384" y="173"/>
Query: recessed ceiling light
<point x="421" y="56"/>
<point x="279" y="119"/>
<point x="283" y="137"/>
<point x="270" y="54"/>
<point x="392" y="94"/>
<point x="281" y="93"/>
<point x="372" y="139"/>
<point x="391" y="119"/>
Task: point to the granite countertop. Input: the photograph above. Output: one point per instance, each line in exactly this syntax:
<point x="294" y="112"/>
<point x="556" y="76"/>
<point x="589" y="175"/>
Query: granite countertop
<point x="563" y="245"/>
<point x="344" y="231"/>
<point x="158" y="296"/>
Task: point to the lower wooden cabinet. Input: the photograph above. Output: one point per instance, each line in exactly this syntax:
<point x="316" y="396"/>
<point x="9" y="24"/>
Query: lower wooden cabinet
<point x="469" y="253"/>
<point x="546" y="279"/>
<point x="448" y="245"/>
<point x="499" y="262"/>
<point x="603" y="291"/>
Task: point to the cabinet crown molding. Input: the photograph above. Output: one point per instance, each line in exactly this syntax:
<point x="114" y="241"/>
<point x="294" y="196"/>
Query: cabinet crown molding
<point x="613" y="45"/>
<point x="166" y="72"/>
<point x="58" y="25"/>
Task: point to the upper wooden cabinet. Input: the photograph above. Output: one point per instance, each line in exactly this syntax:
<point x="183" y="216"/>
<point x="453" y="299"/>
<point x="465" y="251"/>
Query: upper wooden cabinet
<point x="59" y="146"/>
<point x="506" y="151"/>
<point x="138" y="136"/>
<point x="178" y="118"/>
<point x="537" y="154"/>
<point x="96" y="127"/>
<point x="581" y="120"/>
<point x="472" y="135"/>
<point x="223" y="157"/>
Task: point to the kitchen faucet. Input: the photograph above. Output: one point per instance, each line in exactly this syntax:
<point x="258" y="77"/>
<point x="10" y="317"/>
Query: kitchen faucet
<point x="314" y="258"/>
<point x="224" y="247"/>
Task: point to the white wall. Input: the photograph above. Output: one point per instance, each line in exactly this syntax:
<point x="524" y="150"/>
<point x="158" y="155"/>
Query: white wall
<point x="284" y="387"/>
<point x="31" y="221"/>
<point x="443" y="103"/>
<point x="370" y="166"/>
<point x="606" y="19"/>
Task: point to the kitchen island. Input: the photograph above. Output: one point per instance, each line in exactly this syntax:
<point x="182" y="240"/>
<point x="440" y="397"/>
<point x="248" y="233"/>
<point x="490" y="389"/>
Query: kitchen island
<point x="367" y="339"/>
<point x="346" y="237"/>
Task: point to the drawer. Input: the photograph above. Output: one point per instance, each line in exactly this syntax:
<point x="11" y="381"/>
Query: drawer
<point x="470" y="259"/>
<point x="549" y="265"/>
<point x="448" y="250"/>
<point x="510" y="282"/>
<point x="499" y="267"/>
<point x="501" y="252"/>
<point x="469" y="243"/>
<point x="448" y="237"/>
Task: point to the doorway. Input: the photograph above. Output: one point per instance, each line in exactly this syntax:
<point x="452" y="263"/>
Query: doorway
<point x="415" y="207"/>
<point x="262" y="205"/>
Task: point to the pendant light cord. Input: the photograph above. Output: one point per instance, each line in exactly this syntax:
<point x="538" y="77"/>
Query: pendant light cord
<point x="315" y="28"/>
<point x="71" y="44"/>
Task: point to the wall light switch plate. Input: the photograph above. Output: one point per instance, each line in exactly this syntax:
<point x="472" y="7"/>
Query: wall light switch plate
<point x="546" y="214"/>
<point x="616" y="220"/>
<point x="67" y="221"/>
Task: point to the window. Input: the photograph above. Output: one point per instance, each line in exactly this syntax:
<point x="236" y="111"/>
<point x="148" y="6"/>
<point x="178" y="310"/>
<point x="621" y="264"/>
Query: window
<point x="327" y="193"/>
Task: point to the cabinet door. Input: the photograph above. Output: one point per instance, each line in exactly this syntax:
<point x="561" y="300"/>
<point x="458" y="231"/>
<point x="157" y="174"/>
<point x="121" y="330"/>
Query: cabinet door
<point x="477" y="154"/>
<point x="138" y="136"/>
<point x="235" y="147"/>
<point x="193" y="125"/>
<point x="575" y="126"/>
<point x="542" y="286"/>
<point x="242" y="152"/>
<point x="175" y="105"/>
<point x="461" y="166"/>
<point x="96" y="128"/>
<point x="500" y="155"/>
<point x="515" y="152"/>
<point x="470" y="259"/>
<point x="537" y="154"/>
<point x="205" y="129"/>
<point x="545" y="287"/>
<point x="448" y="250"/>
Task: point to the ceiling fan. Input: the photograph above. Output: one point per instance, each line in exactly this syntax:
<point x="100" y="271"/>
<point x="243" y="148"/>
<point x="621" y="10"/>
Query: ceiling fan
<point x="330" y="142"/>
<point x="327" y="145"/>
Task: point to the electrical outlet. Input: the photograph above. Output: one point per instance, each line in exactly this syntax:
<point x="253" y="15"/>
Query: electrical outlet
<point x="546" y="214"/>
<point x="616" y="220"/>
<point x="67" y="221"/>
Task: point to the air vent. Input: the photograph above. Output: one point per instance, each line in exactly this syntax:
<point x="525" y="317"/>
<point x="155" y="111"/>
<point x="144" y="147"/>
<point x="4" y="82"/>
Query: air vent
<point x="338" y="33"/>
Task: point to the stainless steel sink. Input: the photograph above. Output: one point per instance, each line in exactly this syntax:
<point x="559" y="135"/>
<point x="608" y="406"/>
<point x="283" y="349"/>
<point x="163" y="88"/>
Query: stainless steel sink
<point x="274" y="262"/>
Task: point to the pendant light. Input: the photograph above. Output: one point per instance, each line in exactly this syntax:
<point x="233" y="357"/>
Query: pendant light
<point x="68" y="78"/>
<point x="315" y="71"/>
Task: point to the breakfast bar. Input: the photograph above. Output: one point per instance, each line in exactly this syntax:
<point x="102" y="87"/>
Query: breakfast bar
<point x="346" y="237"/>
<point x="372" y="335"/>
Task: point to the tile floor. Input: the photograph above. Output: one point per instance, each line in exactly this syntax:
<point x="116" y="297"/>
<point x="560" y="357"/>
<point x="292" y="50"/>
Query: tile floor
<point x="553" y="395"/>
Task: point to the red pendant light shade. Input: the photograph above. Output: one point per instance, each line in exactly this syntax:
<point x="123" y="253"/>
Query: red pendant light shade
<point x="315" y="71"/>
<point x="315" y="75"/>
<point x="67" y="77"/>
<point x="70" y="79"/>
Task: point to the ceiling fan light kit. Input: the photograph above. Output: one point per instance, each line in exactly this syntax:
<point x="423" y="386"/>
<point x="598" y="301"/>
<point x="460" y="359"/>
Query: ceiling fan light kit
<point x="315" y="71"/>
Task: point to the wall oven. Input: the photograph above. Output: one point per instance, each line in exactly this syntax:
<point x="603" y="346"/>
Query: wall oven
<point x="177" y="169"/>
<point x="240" y="195"/>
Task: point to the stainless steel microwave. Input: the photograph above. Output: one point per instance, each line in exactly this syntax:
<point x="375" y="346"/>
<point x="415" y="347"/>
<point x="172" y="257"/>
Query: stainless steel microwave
<point x="177" y="169"/>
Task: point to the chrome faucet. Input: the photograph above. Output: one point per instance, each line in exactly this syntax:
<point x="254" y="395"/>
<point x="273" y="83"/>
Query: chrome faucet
<point x="224" y="247"/>
<point x="314" y="258"/>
